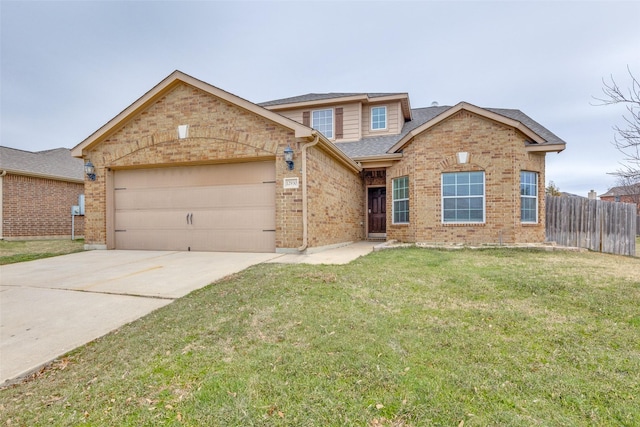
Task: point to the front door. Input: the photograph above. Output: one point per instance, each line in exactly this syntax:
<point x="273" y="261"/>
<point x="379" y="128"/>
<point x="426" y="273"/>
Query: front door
<point x="377" y="201"/>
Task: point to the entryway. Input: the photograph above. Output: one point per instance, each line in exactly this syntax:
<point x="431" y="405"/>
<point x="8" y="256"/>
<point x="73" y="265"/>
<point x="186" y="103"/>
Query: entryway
<point x="377" y="212"/>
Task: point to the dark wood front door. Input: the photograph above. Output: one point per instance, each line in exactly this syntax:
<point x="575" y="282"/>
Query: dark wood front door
<point x="377" y="201"/>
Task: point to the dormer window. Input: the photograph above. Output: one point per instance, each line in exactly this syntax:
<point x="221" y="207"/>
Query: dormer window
<point x="322" y="120"/>
<point x="378" y="118"/>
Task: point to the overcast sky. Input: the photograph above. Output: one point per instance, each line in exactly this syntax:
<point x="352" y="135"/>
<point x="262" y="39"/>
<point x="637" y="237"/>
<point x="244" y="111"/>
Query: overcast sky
<point x="69" y="67"/>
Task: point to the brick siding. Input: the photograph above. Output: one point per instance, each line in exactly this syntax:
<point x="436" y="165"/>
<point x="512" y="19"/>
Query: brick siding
<point x="335" y="201"/>
<point x="35" y="208"/>
<point x="496" y="149"/>
<point x="218" y="132"/>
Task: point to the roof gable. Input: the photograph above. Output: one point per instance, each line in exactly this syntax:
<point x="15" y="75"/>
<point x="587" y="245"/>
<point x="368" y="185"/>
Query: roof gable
<point x="513" y="119"/>
<point x="165" y="86"/>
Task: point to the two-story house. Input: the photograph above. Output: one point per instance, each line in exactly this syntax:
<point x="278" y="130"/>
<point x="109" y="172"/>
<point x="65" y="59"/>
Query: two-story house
<point x="189" y="166"/>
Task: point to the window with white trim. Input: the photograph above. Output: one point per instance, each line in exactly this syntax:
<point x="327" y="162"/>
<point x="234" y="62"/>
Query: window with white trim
<point x="378" y="118"/>
<point x="322" y="120"/>
<point x="529" y="197"/>
<point x="463" y="198"/>
<point x="400" y="204"/>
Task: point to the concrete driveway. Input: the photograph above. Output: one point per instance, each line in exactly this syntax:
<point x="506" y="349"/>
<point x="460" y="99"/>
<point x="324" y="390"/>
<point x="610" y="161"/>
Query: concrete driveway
<point x="51" y="306"/>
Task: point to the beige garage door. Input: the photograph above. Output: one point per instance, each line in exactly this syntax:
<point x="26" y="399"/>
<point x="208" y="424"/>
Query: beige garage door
<point x="228" y="208"/>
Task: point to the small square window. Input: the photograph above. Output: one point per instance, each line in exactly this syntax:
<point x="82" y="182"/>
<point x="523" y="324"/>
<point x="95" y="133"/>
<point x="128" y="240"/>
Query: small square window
<point x="378" y="118"/>
<point x="322" y="120"/>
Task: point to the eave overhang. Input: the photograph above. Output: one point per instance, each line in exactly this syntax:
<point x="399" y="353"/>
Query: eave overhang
<point x="43" y="176"/>
<point x="385" y="160"/>
<point x="165" y="86"/>
<point x="361" y="98"/>
<point x="549" y="148"/>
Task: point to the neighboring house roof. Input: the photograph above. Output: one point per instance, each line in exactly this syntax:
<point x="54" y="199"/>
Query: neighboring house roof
<point x="423" y="118"/>
<point x="54" y="164"/>
<point x="623" y="190"/>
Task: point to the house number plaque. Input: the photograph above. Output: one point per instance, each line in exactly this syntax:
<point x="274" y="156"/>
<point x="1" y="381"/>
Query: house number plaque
<point x="291" y="183"/>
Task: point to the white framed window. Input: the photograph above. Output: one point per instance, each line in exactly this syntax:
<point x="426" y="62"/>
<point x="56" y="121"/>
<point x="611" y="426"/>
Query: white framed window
<point x="322" y="120"/>
<point x="400" y="203"/>
<point x="529" y="197"/>
<point x="378" y="118"/>
<point x="463" y="198"/>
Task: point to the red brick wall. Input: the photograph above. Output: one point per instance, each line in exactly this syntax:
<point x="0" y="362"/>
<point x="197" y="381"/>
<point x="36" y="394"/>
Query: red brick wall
<point x="623" y="199"/>
<point x="39" y="208"/>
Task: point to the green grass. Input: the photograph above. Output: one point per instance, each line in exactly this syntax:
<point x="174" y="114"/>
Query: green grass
<point x="29" y="250"/>
<point x="406" y="337"/>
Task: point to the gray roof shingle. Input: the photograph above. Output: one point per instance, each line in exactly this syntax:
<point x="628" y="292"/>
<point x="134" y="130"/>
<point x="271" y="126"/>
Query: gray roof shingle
<point x="380" y="145"/>
<point x="57" y="163"/>
<point x="319" y="97"/>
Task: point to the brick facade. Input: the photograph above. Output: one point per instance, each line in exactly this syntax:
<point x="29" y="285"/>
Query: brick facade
<point x="39" y="208"/>
<point x="335" y="200"/>
<point x="221" y="132"/>
<point x="496" y="149"/>
<point x="225" y="129"/>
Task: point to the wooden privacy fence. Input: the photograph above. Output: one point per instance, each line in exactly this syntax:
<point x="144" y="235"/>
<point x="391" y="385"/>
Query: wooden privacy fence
<point x="593" y="224"/>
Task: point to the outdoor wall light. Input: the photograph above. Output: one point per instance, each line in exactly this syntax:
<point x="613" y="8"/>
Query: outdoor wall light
<point x="90" y="170"/>
<point x="288" y="157"/>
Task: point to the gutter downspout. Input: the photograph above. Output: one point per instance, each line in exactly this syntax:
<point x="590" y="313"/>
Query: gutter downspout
<point x="305" y="232"/>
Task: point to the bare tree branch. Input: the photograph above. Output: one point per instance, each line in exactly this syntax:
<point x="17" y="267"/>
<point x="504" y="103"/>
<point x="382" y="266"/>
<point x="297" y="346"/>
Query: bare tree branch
<point x="626" y="138"/>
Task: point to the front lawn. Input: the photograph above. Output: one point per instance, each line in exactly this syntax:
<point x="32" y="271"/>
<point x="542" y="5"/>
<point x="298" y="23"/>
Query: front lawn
<point x="405" y="337"/>
<point x="29" y="250"/>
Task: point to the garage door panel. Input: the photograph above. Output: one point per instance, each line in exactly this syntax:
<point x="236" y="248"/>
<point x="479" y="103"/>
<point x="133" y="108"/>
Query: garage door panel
<point x="220" y="219"/>
<point x="234" y="240"/>
<point x="223" y="196"/>
<point x="196" y="208"/>
<point x="140" y="239"/>
<point x="203" y="175"/>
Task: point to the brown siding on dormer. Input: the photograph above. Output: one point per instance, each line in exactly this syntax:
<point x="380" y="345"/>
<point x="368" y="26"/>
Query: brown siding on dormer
<point x="394" y="123"/>
<point x="306" y="118"/>
<point x="338" y="122"/>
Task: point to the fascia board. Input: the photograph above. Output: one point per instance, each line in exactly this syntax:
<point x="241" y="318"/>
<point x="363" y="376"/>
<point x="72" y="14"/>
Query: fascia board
<point x="532" y="148"/>
<point x="317" y="103"/>
<point x="394" y="156"/>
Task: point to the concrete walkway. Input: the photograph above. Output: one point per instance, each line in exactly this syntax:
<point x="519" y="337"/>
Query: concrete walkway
<point x="49" y="307"/>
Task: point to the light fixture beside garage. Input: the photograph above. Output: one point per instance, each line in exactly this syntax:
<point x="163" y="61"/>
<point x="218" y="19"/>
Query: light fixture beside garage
<point x="183" y="131"/>
<point x="288" y="157"/>
<point x="90" y="170"/>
